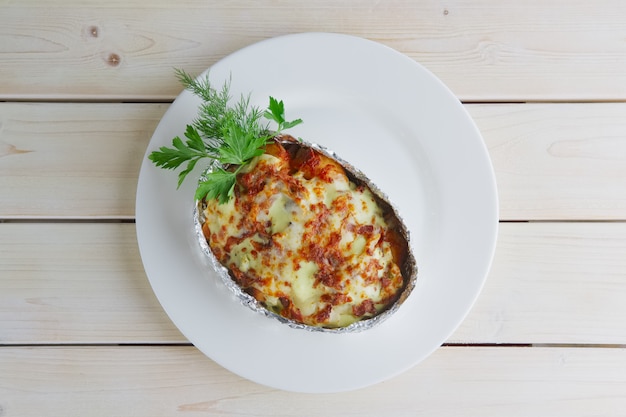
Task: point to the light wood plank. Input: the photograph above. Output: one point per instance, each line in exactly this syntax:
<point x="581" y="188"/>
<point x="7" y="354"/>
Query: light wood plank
<point x="484" y="50"/>
<point x="557" y="161"/>
<point x="76" y="283"/>
<point x="177" y="381"/>
<point x="72" y="160"/>
<point x="553" y="283"/>
<point x="82" y="161"/>
<point x="84" y="283"/>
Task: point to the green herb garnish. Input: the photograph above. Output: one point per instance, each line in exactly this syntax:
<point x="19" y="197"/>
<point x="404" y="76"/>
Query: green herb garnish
<point x="232" y="136"/>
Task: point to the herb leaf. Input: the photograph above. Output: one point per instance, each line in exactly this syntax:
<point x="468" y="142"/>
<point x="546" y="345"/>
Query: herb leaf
<point x="240" y="145"/>
<point x="276" y="112"/>
<point x="191" y="152"/>
<point x="219" y="184"/>
<point x="232" y="136"/>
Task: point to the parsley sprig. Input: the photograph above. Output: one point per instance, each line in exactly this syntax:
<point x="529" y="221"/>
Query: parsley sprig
<point x="229" y="135"/>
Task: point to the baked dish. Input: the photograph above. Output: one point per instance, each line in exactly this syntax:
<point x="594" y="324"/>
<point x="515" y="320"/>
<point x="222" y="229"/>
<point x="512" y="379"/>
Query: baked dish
<point x="302" y="235"/>
<point x="306" y="241"/>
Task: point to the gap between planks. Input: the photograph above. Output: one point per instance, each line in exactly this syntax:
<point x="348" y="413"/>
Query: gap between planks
<point x="449" y="345"/>
<point x="60" y="220"/>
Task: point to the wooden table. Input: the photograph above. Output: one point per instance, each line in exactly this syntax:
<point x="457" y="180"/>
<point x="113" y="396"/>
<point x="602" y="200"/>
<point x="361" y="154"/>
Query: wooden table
<point x="83" y="85"/>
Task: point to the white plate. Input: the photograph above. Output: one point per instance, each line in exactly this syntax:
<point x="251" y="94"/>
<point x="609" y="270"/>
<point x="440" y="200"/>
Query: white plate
<point x="403" y="128"/>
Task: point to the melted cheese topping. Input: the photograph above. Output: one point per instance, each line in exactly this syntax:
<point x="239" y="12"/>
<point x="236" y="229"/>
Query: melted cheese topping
<point x="306" y="241"/>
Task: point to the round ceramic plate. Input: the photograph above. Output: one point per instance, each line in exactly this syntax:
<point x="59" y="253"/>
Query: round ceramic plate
<point x="393" y="120"/>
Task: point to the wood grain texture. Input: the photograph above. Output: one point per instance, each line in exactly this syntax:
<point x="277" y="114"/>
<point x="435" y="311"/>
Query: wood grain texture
<point x="557" y="161"/>
<point x="180" y="381"/>
<point x="485" y="50"/>
<point x="72" y="160"/>
<point x="553" y="283"/>
<point x="84" y="283"/>
<point x="83" y="84"/>
<point x="552" y="161"/>
<point x="77" y="283"/>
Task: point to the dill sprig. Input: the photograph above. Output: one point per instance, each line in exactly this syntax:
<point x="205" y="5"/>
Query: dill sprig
<point x="229" y="135"/>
